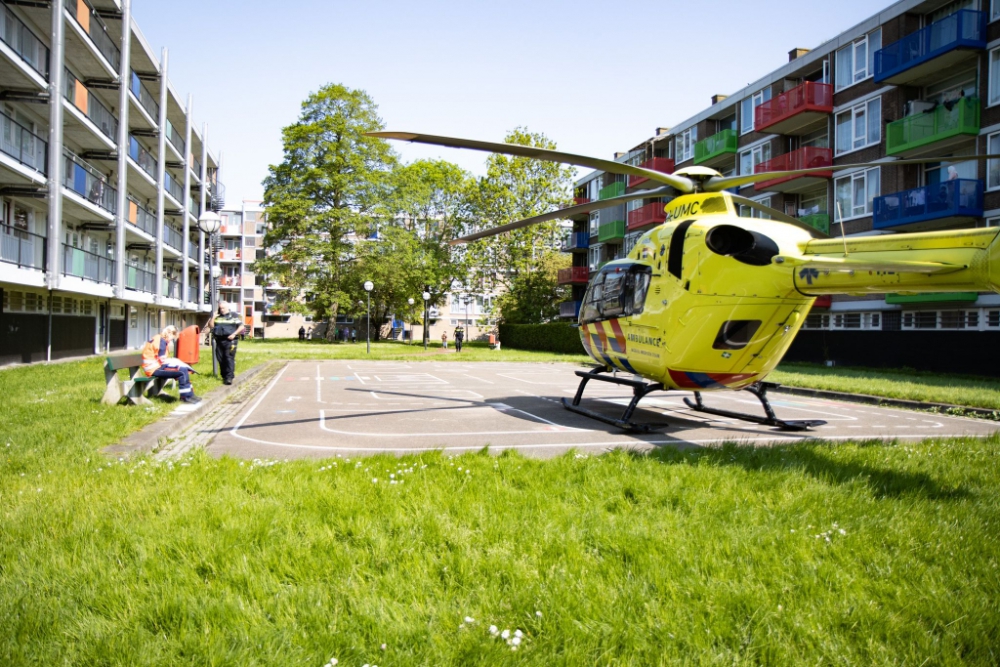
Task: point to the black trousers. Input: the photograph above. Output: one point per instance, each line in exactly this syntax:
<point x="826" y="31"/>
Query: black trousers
<point x="458" y="343"/>
<point x="225" y="355"/>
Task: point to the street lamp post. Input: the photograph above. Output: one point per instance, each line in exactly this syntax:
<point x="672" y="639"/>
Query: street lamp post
<point x="427" y="298"/>
<point x="409" y="314"/>
<point x="209" y="223"/>
<point x="369" y="286"/>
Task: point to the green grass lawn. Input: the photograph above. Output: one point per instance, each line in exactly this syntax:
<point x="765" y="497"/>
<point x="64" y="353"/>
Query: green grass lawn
<point x="854" y="553"/>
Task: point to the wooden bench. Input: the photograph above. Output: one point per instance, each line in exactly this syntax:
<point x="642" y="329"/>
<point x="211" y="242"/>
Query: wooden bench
<point x="135" y="386"/>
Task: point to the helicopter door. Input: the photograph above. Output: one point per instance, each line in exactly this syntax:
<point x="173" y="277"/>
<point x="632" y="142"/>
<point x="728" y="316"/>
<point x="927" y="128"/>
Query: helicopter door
<point x="616" y="292"/>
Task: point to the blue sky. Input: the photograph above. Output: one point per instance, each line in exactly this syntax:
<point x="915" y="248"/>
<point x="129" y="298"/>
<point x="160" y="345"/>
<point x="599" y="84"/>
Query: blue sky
<point x="595" y="77"/>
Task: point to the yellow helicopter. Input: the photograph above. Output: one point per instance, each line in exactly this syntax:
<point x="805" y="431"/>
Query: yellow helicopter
<point x="709" y="300"/>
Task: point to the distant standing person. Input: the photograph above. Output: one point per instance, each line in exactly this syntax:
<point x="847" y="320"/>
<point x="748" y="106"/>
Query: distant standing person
<point x="302" y="333"/>
<point x="444" y="339"/>
<point x="459" y="337"/>
<point x="226" y="326"/>
<point x="354" y="335"/>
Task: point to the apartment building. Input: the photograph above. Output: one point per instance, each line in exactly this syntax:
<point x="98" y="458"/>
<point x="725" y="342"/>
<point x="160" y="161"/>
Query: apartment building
<point x="239" y="243"/>
<point x="103" y="175"/>
<point x="917" y="79"/>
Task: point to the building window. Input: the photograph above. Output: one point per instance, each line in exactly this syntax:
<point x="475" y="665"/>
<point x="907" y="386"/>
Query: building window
<point x="816" y="321"/>
<point x="993" y="318"/>
<point x="847" y="321"/>
<point x="856" y="61"/>
<point x="993" y="166"/>
<point x="994" y="10"/>
<point x="747" y="212"/>
<point x="747" y="106"/>
<point x="853" y="194"/>
<point x="685" y="144"/>
<point x="994" y="88"/>
<point x="859" y="126"/>
<point x="989" y="222"/>
<point x="751" y="158"/>
<point x="595" y="222"/>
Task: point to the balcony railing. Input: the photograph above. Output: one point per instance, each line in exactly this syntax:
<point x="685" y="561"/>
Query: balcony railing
<point x="230" y="230"/>
<point x="230" y="281"/>
<point x="92" y="24"/>
<point x="720" y="143"/>
<point x="809" y="157"/>
<point x="89" y="183"/>
<point x="175" y="138"/>
<point x="193" y="250"/>
<point x="958" y="198"/>
<point x="660" y="164"/>
<point x="610" y="231"/>
<point x="21" y="144"/>
<point x="577" y="241"/>
<point x="574" y="274"/>
<point x="87" y="265"/>
<point x="650" y="214"/>
<point x="945" y="121"/>
<point x="23" y="42"/>
<point x="194" y="208"/>
<point x="141" y="218"/>
<point x="964" y="29"/>
<point x="613" y="190"/>
<point x="820" y="221"/>
<point x="192" y="294"/>
<point x="569" y="309"/>
<point x="171" y="289"/>
<point x="23" y="249"/>
<point x="80" y="96"/>
<point x="172" y="237"/>
<point x="579" y="201"/>
<point x="146" y="99"/>
<point x="171" y="185"/>
<point x="139" y="279"/>
<point x="196" y="167"/>
<point x="142" y="157"/>
<point x="810" y="97"/>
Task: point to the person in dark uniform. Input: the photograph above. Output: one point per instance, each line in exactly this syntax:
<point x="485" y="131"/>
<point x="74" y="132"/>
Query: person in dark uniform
<point x="459" y="337"/>
<point x="302" y="333"/>
<point x="226" y="326"/>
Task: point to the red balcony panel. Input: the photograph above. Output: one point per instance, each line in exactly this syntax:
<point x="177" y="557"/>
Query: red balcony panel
<point x="650" y="214"/>
<point x="574" y="274"/>
<point x="795" y="111"/>
<point x="823" y="302"/>
<point x="805" y="158"/>
<point x="661" y="164"/>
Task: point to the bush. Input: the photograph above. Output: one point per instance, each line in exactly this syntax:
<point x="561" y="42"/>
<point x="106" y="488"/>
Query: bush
<point x="554" y="337"/>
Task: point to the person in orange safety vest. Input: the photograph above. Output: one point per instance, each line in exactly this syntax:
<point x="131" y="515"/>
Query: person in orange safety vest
<point x="156" y="363"/>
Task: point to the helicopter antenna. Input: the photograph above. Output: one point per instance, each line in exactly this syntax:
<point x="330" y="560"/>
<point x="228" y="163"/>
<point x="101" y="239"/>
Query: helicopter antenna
<point x="842" y="234"/>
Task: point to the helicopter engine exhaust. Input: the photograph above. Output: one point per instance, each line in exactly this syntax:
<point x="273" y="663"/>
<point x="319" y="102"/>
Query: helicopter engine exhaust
<point x="741" y="244"/>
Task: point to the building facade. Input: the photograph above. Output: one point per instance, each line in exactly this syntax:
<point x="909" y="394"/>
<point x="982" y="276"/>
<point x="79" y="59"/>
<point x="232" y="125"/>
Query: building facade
<point x="917" y="79"/>
<point x="103" y="176"/>
<point x="240" y="242"/>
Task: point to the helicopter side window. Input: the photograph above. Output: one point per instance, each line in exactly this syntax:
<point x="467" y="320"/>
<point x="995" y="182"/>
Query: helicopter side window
<point x="618" y="292"/>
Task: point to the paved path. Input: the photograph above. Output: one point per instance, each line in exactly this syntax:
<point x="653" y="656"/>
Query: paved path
<point x="324" y="408"/>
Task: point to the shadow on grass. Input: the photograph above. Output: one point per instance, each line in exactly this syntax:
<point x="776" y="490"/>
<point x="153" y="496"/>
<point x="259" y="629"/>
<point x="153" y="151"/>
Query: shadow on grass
<point x="808" y="458"/>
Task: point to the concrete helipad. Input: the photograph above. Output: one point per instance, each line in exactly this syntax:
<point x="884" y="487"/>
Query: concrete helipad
<point x="355" y="407"/>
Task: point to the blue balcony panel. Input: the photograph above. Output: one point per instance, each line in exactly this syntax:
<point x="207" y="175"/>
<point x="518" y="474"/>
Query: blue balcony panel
<point x="930" y="207"/>
<point x="569" y="309"/>
<point x="932" y="49"/>
<point x="577" y="242"/>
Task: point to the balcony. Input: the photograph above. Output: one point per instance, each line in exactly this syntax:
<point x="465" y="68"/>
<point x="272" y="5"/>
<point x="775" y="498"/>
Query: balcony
<point x="175" y="138"/>
<point x="193" y="250"/>
<point x="611" y="231"/>
<point x="804" y="158"/>
<point x="22" y="249"/>
<point x="231" y="230"/>
<point x="144" y="97"/>
<point x="20" y="143"/>
<point x="718" y="149"/>
<point x="661" y="164"/>
<point x="934" y="131"/>
<point x="141" y="218"/>
<point x="932" y="50"/>
<point x="89" y="183"/>
<point x="229" y="255"/>
<point x="797" y="111"/>
<point x="577" y="242"/>
<point x="139" y="280"/>
<point x="87" y="18"/>
<point x="142" y="157"/>
<point x="19" y="39"/>
<point x="569" y="309"/>
<point x="173" y="187"/>
<point x="575" y="275"/>
<point x="172" y="237"/>
<point x="88" y="266"/>
<point x="195" y="167"/>
<point x="650" y="214"/>
<point x="192" y="294"/>
<point x="820" y="221"/>
<point x="613" y="190"/>
<point x="171" y="288"/>
<point x="930" y="207"/>
<point x="80" y="96"/>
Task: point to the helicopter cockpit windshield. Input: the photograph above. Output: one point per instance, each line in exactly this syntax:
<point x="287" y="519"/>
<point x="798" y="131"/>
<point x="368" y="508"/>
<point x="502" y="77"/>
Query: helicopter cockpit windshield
<point x="617" y="291"/>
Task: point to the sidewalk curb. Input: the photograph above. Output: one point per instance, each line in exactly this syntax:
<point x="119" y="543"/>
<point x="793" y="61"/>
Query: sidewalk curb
<point x="170" y="427"/>
<point x="882" y="400"/>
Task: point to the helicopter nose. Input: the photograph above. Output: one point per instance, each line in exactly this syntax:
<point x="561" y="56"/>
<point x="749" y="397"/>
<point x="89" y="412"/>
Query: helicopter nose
<point x="743" y="245"/>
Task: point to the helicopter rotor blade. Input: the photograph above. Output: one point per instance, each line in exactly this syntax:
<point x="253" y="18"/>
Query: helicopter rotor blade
<point x="778" y="215"/>
<point x="566" y="212"/>
<point x="719" y="183"/>
<point x="680" y="183"/>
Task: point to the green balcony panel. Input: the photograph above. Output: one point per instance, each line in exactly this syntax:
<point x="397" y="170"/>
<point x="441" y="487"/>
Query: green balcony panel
<point x="820" y="221"/>
<point x="611" y="231"/>
<point x="926" y="128"/>
<point x="613" y="190"/>
<point x="718" y="144"/>
<point x="940" y="297"/>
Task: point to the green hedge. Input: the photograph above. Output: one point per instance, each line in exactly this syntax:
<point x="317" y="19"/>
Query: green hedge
<point x="555" y="337"/>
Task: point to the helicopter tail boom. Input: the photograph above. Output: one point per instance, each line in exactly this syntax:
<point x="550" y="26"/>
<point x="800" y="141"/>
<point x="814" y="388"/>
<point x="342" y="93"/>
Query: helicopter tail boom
<point x="947" y="261"/>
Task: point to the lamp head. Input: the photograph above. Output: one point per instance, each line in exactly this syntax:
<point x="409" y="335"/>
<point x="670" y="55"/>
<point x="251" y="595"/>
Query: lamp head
<point x="410" y="301"/>
<point x="427" y="296"/>
<point x="369" y="286"/>
<point x="209" y="222"/>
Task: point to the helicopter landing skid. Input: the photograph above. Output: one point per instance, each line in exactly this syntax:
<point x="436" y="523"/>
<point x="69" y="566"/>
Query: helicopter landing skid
<point x="759" y="390"/>
<point x="639" y="391"/>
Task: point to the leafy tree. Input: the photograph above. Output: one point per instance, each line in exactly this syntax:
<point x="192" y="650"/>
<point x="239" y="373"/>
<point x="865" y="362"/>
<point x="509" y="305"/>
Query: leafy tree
<point x="331" y="184"/>
<point x="520" y="263"/>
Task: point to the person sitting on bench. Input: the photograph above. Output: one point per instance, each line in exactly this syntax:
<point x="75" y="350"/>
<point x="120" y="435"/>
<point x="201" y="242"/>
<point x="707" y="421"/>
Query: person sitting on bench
<point x="155" y="363"/>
